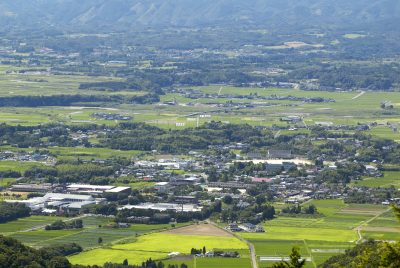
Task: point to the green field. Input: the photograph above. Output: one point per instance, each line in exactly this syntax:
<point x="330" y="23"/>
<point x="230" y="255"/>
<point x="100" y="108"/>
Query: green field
<point x="90" y="153"/>
<point x="161" y="242"/>
<point x="300" y="233"/>
<point x="390" y="178"/>
<point x="23" y="224"/>
<point x="223" y="263"/>
<point x="86" y="237"/>
<point x="17" y="166"/>
<point x="102" y="255"/>
<point x="323" y="237"/>
<point x="157" y="246"/>
<point x="4" y="182"/>
<point x="345" y="110"/>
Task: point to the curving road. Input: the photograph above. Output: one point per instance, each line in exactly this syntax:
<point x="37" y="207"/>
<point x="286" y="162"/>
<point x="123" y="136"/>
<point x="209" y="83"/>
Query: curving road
<point x="251" y="246"/>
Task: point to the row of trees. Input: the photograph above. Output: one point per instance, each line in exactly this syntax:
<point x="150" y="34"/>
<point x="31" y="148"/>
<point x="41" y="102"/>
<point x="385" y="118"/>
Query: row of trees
<point x="68" y="100"/>
<point x="61" y="225"/>
<point x="297" y="209"/>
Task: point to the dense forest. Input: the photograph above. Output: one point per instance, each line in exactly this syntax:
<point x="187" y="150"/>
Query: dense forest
<point x="10" y="211"/>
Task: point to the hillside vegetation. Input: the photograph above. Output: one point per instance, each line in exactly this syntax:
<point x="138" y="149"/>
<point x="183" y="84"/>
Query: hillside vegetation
<point x="126" y="13"/>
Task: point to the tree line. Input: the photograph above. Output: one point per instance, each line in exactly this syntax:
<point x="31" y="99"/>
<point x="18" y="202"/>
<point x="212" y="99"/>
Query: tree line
<point x="13" y="211"/>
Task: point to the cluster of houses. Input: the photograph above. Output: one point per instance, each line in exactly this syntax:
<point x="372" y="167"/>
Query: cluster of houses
<point x="196" y="94"/>
<point x="111" y="116"/>
<point x="26" y="157"/>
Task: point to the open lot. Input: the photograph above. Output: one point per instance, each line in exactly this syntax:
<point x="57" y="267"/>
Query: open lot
<point x="200" y="230"/>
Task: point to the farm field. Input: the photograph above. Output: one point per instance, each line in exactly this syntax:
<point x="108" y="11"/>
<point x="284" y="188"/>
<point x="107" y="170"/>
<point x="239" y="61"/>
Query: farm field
<point x="322" y="237"/>
<point x="349" y="107"/>
<point x="4" y="182"/>
<point x="161" y="242"/>
<point x="31" y="231"/>
<point x="223" y="263"/>
<point x="17" y="166"/>
<point x="158" y="246"/>
<point x="24" y="224"/>
<point x="90" y="153"/>
<point x="390" y="178"/>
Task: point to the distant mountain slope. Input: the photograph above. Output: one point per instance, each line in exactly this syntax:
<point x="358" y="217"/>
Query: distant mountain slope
<point x="130" y="13"/>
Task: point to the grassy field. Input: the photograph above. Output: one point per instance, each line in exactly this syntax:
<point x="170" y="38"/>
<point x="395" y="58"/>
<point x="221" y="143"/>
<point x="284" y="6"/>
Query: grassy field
<point x="325" y="236"/>
<point x="4" y="182"/>
<point x="24" y="224"/>
<point x="347" y="109"/>
<point x="28" y="231"/>
<point x="157" y="246"/>
<point x="223" y="263"/>
<point x="301" y="233"/>
<point x="390" y="178"/>
<point x="17" y="166"/>
<point x="161" y="242"/>
<point x="102" y="255"/>
<point x="90" y="153"/>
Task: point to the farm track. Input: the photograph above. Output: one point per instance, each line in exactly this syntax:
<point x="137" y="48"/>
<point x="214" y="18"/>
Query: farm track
<point x="43" y="226"/>
<point x="360" y="227"/>
<point x="359" y="95"/>
<point x="251" y="246"/>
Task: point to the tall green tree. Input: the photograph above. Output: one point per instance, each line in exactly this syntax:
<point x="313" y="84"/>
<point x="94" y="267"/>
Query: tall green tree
<point x="296" y="261"/>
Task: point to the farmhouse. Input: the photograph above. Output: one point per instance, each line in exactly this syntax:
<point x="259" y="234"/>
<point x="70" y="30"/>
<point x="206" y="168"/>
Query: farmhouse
<point x="163" y="187"/>
<point x="233" y="227"/>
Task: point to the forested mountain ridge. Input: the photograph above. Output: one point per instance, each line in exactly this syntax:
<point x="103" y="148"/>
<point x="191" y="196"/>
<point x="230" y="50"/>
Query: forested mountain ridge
<point x="117" y="14"/>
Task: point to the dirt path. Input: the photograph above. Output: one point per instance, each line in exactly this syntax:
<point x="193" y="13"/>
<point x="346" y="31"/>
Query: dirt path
<point x="359" y="228"/>
<point x="309" y="253"/>
<point x="43" y="226"/>
<point x="359" y="95"/>
<point x="251" y="246"/>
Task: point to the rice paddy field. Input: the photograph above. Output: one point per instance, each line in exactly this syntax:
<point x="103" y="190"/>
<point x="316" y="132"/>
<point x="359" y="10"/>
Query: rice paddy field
<point x="318" y="238"/>
<point x="159" y="245"/>
<point x="31" y="231"/>
<point x="323" y="237"/>
<point x="349" y="107"/>
<point x="389" y="179"/>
